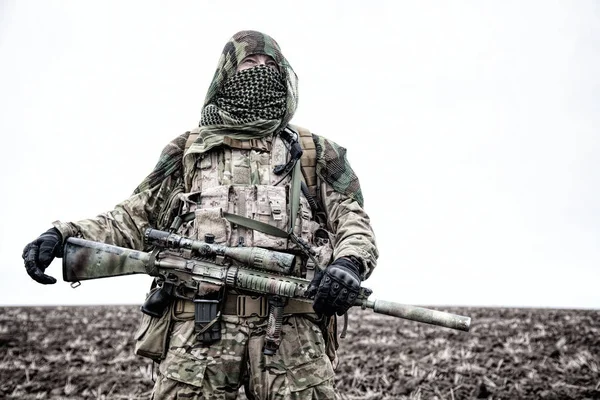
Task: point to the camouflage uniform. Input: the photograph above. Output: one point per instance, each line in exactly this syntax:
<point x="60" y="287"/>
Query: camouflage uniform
<point x="299" y="370"/>
<point x="234" y="173"/>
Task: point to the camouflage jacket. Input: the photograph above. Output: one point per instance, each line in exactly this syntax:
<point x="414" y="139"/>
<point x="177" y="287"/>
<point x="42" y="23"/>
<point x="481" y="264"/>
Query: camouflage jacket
<point x="151" y="205"/>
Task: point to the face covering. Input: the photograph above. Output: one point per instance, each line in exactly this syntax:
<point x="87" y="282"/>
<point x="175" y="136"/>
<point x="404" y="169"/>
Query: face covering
<point x="253" y="94"/>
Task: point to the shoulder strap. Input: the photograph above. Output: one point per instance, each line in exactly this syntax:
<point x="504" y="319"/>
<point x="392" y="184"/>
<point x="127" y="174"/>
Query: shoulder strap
<point x="309" y="159"/>
<point x="191" y="139"/>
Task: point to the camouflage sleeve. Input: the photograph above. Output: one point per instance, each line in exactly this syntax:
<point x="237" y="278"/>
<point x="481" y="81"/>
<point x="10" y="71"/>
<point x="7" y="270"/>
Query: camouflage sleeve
<point x="351" y="227"/>
<point x="125" y="224"/>
<point x="342" y="198"/>
<point x="150" y="205"/>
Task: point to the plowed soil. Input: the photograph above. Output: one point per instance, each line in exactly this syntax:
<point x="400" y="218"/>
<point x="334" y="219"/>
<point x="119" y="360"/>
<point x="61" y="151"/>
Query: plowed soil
<point x="87" y="352"/>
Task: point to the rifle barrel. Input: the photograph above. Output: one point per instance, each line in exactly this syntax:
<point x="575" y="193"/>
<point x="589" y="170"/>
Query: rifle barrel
<point x="420" y="314"/>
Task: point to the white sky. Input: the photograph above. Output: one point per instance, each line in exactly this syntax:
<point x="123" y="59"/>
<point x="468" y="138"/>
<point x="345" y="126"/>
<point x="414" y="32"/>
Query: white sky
<point x="473" y="127"/>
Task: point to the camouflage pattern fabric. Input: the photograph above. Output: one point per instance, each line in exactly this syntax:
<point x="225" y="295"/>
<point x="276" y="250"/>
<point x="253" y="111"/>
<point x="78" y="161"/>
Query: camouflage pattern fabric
<point x="299" y="370"/>
<point x="246" y="43"/>
<point x="352" y="228"/>
<point x="333" y="168"/>
<point x="169" y="162"/>
<point x="241" y="45"/>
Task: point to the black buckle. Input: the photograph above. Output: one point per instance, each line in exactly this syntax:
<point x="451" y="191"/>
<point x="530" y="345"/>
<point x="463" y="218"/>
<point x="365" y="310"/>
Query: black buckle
<point x="248" y="306"/>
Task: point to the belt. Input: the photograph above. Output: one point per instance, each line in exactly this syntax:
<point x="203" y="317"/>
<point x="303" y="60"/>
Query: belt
<point x="247" y="306"/>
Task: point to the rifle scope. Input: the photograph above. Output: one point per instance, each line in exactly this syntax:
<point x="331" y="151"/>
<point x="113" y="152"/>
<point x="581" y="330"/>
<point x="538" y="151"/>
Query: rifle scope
<point x="255" y="257"/>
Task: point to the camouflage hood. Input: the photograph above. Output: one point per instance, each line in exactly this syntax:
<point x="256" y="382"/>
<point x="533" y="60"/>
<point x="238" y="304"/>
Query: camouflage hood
<point x="241" y="45"/>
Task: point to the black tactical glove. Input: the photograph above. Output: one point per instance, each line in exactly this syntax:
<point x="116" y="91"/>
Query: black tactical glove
<point x="335" y="289"/>
<point x="39" y="254"/>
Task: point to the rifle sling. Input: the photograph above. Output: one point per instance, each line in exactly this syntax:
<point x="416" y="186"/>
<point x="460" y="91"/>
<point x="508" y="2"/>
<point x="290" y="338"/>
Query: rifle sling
<point x="294" y="196"/>
<point x="255" y="225"/>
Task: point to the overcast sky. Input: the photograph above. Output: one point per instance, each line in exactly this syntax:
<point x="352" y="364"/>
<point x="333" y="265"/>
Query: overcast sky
<point x="473" y="127"/>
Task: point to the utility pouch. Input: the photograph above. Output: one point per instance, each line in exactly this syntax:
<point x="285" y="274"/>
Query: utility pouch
<point x="153" y="334"/>
<point x="207" y="320"/>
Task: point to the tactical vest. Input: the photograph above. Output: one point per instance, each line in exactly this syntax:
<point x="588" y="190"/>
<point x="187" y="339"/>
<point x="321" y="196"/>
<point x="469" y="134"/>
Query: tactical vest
<point x="238" y="178"/>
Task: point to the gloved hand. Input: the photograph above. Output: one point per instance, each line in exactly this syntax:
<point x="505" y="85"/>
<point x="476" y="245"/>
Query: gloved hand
<point x="335" y="289"/>
<point x="39" y="254"/>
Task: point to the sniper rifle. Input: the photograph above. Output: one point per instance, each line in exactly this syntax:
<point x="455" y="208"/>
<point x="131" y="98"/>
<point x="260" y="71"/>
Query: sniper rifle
<point x="182" y="265"/>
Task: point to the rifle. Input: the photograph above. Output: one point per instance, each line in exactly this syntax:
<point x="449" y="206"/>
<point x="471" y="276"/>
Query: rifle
<point x="181" y="265"/>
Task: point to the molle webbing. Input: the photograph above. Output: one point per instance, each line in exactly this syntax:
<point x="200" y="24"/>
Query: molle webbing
<point x="251" y="144"/>
<point x="308" y="160"/>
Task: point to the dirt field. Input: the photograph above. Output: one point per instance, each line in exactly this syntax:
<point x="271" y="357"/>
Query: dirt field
<point x="87" y="352"/>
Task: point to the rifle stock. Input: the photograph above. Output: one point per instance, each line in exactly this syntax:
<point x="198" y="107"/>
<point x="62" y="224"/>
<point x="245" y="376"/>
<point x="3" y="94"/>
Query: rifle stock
<point x="84" y="259"/>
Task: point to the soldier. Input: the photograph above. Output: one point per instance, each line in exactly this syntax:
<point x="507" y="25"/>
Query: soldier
<point x="241" y="161"/>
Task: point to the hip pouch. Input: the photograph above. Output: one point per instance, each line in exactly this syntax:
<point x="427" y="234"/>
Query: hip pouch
<point x="153" y="334"/>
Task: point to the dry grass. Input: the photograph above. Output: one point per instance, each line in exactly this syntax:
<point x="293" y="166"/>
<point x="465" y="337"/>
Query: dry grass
<point x="509" y="353"/>
<point x="87" y="352"/>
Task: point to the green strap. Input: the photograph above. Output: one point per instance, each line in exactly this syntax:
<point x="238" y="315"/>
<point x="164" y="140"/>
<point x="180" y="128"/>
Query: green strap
<point x="255" y="225"/>
<point x="294" y="196"/>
